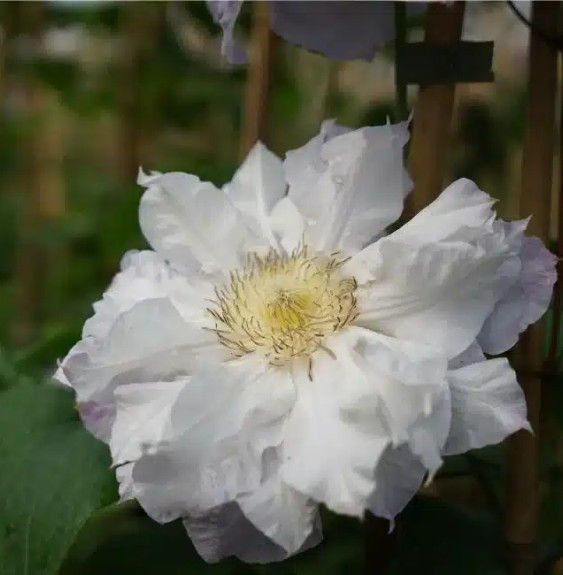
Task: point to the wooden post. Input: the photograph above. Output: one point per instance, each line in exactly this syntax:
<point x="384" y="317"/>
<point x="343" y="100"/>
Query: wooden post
<point x="537" y="165"/>
<point x="140" y="26"/>
<point x="433" y="113"/>
<point x="256" y="99"/>
<point x="28" y="271"/>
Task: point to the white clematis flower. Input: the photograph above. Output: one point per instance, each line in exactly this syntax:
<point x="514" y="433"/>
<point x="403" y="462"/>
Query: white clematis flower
<point x="277" y="350"/>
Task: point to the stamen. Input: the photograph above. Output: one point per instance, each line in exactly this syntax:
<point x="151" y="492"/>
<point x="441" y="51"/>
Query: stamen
<point x="283" y="306"/>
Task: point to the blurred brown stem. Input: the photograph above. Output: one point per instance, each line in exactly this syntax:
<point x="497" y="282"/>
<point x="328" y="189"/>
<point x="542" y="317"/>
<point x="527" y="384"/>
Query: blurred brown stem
<point x="553" y="362"/>
<point x="140" y="26"/>
<point x="257" y="93"/>
<point x="433" y="111"/>
<point x="537" y="165"/>
<point x="28" y="271"/>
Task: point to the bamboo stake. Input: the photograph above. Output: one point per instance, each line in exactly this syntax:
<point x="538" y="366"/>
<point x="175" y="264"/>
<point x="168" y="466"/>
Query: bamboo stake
<point x="256" y="99"/>
<point x="52" y="199"/>
<point x="28" y="264"/>
<point x="537" y="166"/>
<point x="140" y="27"/>
<point x="433" y="113"/>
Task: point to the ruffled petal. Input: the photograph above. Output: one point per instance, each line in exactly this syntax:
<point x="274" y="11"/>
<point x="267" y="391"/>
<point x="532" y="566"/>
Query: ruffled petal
<point x="220" y="426"/>
<point x="145" y="275"/>
<point x="142" y="417"/>
<point x="371" y="395"/>
<point x="349" y="185"/>
<point x="283" y="514"/>
<point x="341" y="30"/>
<point x="225" y="531"/>
<point x="148" y="342"/>
<point x="437" y="279"/>
<point x="255" y="189"/>
<point x="526" y="301"/>
<point x="176" y="215"/>
<point x="487" y="405"/>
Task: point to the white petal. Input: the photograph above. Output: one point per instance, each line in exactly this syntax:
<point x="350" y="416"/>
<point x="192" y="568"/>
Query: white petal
<point x="398" y="477"/>
<point x="333" y="440"/>
<point x="473" y="354"/>
<point x="145" y="275"/>
<point x="284" y="515"/>
<point x="350" y="186"/>
<point x="257" y="186"/>
<point x="461" y="207"/>
<point x="487" y="403"/>
<point x="192" y="223"/>
<point x="439" y="279"/>
<point x="288" y="224"/>
<point x="408" y="378"/>
<point x="142" y="417"/>
<point x="148" y="342"/>
<point x="220" y="425"/>
<point x="430" y="434"/>
<point x="374" y="392"/>
<point x="526" y="301"/>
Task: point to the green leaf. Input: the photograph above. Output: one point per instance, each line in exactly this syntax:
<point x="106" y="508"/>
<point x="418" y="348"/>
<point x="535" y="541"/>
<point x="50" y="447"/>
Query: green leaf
<point x="52" y="476"/>
<point x="122" y="539"/>
<point x="442" y="539"/>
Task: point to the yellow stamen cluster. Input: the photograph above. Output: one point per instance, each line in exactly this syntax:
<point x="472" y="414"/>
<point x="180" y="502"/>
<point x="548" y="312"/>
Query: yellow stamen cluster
<point x="283" y="306"/>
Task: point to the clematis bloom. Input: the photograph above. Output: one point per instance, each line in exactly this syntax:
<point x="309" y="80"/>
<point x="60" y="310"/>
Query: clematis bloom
<point x="278" y="349"/>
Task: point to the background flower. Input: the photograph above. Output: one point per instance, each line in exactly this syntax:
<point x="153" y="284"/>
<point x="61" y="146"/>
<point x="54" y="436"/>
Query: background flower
<point x="339" y="29"/>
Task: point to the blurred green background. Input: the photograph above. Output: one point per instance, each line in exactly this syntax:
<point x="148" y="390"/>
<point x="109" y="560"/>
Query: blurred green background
<point x="90" y="91"/>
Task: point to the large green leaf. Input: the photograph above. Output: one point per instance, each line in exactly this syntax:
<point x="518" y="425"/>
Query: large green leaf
<point x="122" y="539"/>
<point x="53" y="474"/>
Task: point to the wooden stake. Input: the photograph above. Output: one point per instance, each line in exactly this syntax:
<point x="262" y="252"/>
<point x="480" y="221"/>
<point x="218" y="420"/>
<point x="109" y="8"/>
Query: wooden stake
<point x="140" y="26"/>
<point x="537" y="166"/>
<point x="28" y="262"/>
<point x="256" y="99"/>
<point x="433" y="113"/>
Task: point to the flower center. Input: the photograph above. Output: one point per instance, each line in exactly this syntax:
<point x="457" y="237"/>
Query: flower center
<point x="283" y="306"/>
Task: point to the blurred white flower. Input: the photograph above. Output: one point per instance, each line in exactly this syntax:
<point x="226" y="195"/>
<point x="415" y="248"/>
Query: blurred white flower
<point x="277" y="350"/>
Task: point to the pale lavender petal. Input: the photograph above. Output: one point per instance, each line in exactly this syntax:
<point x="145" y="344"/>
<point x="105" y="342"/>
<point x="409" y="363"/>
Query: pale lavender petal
<point x="225" y="13"/>
<point x="398" y="476"/>
<point x="339" y="29"/>
<point x="98" y="418"/>
<point x="224" y="531"/>
<point x="525" y="302"/>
